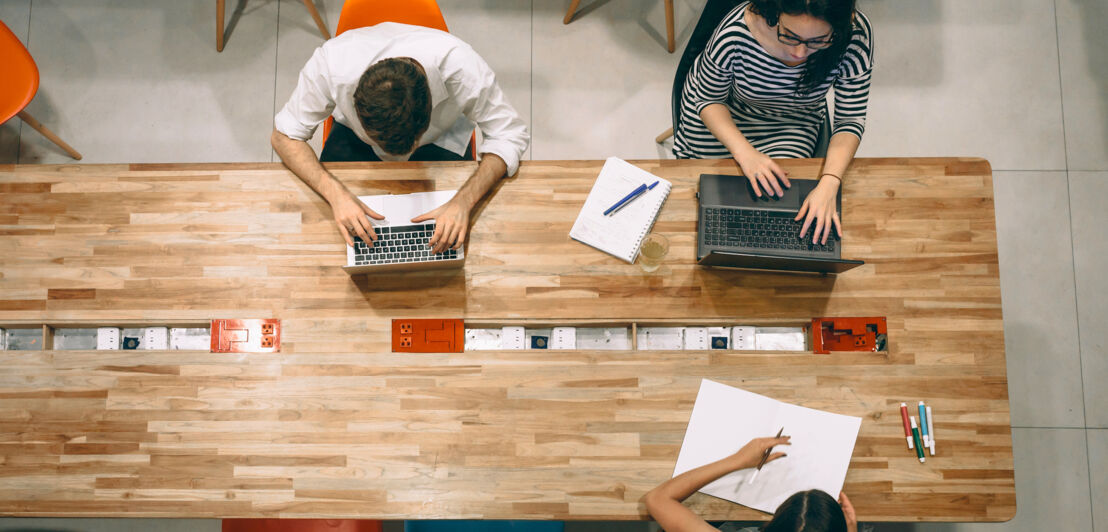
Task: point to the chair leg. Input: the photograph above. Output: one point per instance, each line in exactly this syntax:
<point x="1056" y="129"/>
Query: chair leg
<point x="219" y="25"/>
<point x="665" y="135"/>
<point x="569" y="12"/>
<point x="669" y="26"/>
<point x="30" y="121"/>
<point x="318" y="20"/>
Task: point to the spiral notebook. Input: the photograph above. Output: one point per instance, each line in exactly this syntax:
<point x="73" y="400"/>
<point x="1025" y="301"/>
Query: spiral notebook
<point x="620" y="234"/>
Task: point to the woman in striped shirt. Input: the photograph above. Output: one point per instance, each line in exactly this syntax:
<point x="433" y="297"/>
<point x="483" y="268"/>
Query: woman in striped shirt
<point x="758" y="92"/>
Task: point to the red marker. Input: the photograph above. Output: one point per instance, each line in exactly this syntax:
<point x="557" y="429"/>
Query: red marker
<point x="907" y="426"/>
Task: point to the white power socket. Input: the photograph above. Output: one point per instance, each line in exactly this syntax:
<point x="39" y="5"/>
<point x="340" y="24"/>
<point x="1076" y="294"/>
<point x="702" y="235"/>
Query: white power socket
<point x="3" y="340"/>
<point x="107" y="338"/>
<point x="696" y="338"/>
<point x="155" y="338"/>
<point x="483" y="339"/>
<point x="190" y="338"/>
<point x="742" y="338"/>
<point x="512" y="338"/>
<point x="563" y="338"/>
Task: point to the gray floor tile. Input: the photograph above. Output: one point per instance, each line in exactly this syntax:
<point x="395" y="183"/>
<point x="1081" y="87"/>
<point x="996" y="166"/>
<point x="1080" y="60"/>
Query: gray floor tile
<point x="142" y="82"/>
<point x="1036" y="280"/>
<point x="1098" y="463"/>
<point x="1052" y="486"/>
<point x="507" y="49"/>
<point x="16" y="15"/>
<point x="589" y="105"/>
<point x="966" y="78"/>
<point x="297" y="40"/>
<point x="1088" y="195"/>
<point x="14" y="524"/>
<point x="1084" y="69"/>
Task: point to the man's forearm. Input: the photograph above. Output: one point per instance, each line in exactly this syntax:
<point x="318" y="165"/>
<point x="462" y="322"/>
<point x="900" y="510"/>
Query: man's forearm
<point x="489" y="171"/>
<point x="299" y="157"/>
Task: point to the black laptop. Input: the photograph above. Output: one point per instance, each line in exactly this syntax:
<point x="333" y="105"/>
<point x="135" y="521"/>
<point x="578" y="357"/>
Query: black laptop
<point x="737" y="229"/>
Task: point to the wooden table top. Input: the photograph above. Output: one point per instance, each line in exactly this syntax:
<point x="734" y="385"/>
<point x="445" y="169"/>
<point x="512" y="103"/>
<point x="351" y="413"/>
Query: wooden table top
<point x="335" y="425"/>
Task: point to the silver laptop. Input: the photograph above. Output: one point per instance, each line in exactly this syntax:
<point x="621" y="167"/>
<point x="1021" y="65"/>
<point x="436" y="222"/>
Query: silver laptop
<point x="402" y="245"/>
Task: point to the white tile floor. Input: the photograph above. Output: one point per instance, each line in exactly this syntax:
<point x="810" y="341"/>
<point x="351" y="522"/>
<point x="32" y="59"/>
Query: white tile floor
<point x="1019" y="82"/>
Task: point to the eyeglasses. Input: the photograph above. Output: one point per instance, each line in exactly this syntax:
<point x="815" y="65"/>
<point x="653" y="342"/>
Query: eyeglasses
<point x="792" y="40"/>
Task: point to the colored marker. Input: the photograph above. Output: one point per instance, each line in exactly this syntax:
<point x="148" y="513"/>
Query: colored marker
<point x="919" y="445"/>
<point x="907" y="429"/>
<point x="923" y="423"/>
<point x="931" y="429"/>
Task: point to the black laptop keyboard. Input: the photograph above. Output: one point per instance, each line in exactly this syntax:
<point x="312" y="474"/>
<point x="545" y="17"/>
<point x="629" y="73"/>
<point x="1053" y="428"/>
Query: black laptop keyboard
<point x="396" y="244"/>
<point x="770" y="230"/>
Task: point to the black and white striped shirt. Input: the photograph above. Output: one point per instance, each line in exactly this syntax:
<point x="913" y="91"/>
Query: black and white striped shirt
<point x="760" y="91"/>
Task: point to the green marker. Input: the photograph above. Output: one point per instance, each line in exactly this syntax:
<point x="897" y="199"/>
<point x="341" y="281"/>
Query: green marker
<point x="915" y="437"/>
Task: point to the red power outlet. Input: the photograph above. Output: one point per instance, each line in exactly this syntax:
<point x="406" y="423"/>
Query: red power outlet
<point x="246" y="336"/>
<point x="428" y="336"/>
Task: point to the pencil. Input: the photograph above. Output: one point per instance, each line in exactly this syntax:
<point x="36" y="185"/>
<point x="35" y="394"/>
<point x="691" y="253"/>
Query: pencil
<point x="765" y="455"/>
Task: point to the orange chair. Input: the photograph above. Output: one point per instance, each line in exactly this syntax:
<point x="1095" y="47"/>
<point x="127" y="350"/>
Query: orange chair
<point x="362" y="13"/>
<point x="220" y="8"/>
<point x="20" y="85"/>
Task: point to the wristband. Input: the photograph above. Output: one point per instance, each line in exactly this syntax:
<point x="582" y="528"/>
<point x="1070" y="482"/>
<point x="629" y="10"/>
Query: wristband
<point x="832" y="175"/>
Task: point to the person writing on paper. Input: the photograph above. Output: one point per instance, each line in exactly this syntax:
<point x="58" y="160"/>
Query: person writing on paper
<point x="399" y="93"/>
<point x="758" y="93"/>
<point x="805" y="511"/>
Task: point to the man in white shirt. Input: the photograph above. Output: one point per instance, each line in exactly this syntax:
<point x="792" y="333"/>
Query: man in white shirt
<point x="399" y="93"/>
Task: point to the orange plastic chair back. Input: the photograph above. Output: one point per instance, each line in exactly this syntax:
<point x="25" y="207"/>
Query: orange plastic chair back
<point x="362" y="13"/>
<point x="20" y="75"/>
<point x="300" y="525"/>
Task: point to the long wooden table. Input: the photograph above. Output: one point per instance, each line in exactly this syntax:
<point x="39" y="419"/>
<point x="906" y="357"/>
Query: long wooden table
<point x="335" y="425"/>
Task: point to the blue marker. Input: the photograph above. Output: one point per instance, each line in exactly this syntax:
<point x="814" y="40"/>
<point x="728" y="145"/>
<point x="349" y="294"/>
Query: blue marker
<point x="923" y="424"/>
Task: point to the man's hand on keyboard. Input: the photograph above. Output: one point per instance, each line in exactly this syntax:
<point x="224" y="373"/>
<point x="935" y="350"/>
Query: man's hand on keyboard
<point x="451" y="224"/>
<point x="350" y="213"/>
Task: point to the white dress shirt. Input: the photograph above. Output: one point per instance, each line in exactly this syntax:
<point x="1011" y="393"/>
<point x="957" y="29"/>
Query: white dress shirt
<point x="463" y="91"/>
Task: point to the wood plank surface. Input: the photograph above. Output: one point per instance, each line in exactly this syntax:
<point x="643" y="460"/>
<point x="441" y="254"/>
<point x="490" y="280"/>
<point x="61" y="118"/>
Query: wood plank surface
<point x="335" y="425"/>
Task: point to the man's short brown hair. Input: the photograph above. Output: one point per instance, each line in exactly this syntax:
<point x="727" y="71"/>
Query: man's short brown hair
<point x="393" y="101"/>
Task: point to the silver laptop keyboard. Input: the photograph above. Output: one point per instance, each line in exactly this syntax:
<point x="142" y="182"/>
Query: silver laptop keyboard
<point x="398" y="244"/>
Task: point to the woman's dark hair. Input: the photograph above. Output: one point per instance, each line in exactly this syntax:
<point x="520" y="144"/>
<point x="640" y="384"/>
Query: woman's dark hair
<point x="838" y="13"/>
<point x="808" y="511"/>
<point x="393" y="101"/>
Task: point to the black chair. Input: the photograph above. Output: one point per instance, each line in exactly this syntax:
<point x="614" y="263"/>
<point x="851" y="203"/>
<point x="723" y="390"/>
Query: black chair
<point x="713" y="14"/>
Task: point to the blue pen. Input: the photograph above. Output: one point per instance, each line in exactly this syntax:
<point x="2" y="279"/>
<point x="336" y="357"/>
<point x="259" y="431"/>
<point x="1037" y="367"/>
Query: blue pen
<point x="640" y="190"/>
<point x="923" y="423"/>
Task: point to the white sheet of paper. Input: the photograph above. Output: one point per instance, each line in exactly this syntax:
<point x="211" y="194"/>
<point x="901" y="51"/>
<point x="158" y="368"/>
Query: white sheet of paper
<point x="725" y="418"/>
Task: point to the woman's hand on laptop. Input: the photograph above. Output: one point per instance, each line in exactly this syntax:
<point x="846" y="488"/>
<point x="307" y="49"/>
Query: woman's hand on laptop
<point x="451" y="223"/>
<point x="818" y="211"/>
<point x="765" y="175"/>
<point x="350" y="213"/>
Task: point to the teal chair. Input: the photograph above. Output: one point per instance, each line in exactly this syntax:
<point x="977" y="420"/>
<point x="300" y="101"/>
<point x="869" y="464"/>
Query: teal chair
<point x="484" y="526"/>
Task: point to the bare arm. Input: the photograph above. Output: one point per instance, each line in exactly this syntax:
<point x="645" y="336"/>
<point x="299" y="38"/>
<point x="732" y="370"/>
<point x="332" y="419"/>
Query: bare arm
<point x="664" y="501"/>
<point x="452" y="218"/>
<point x="759" y="168"/>
<point x="820" y="206"/>
<point x="350" y="213"/>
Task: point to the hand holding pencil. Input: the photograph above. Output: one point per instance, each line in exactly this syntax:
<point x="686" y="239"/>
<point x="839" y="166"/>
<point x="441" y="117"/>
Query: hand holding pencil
<point x="752" y="454"/>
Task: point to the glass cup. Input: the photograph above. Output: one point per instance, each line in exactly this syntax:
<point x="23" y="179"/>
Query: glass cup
<point x="653" y="250"/>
